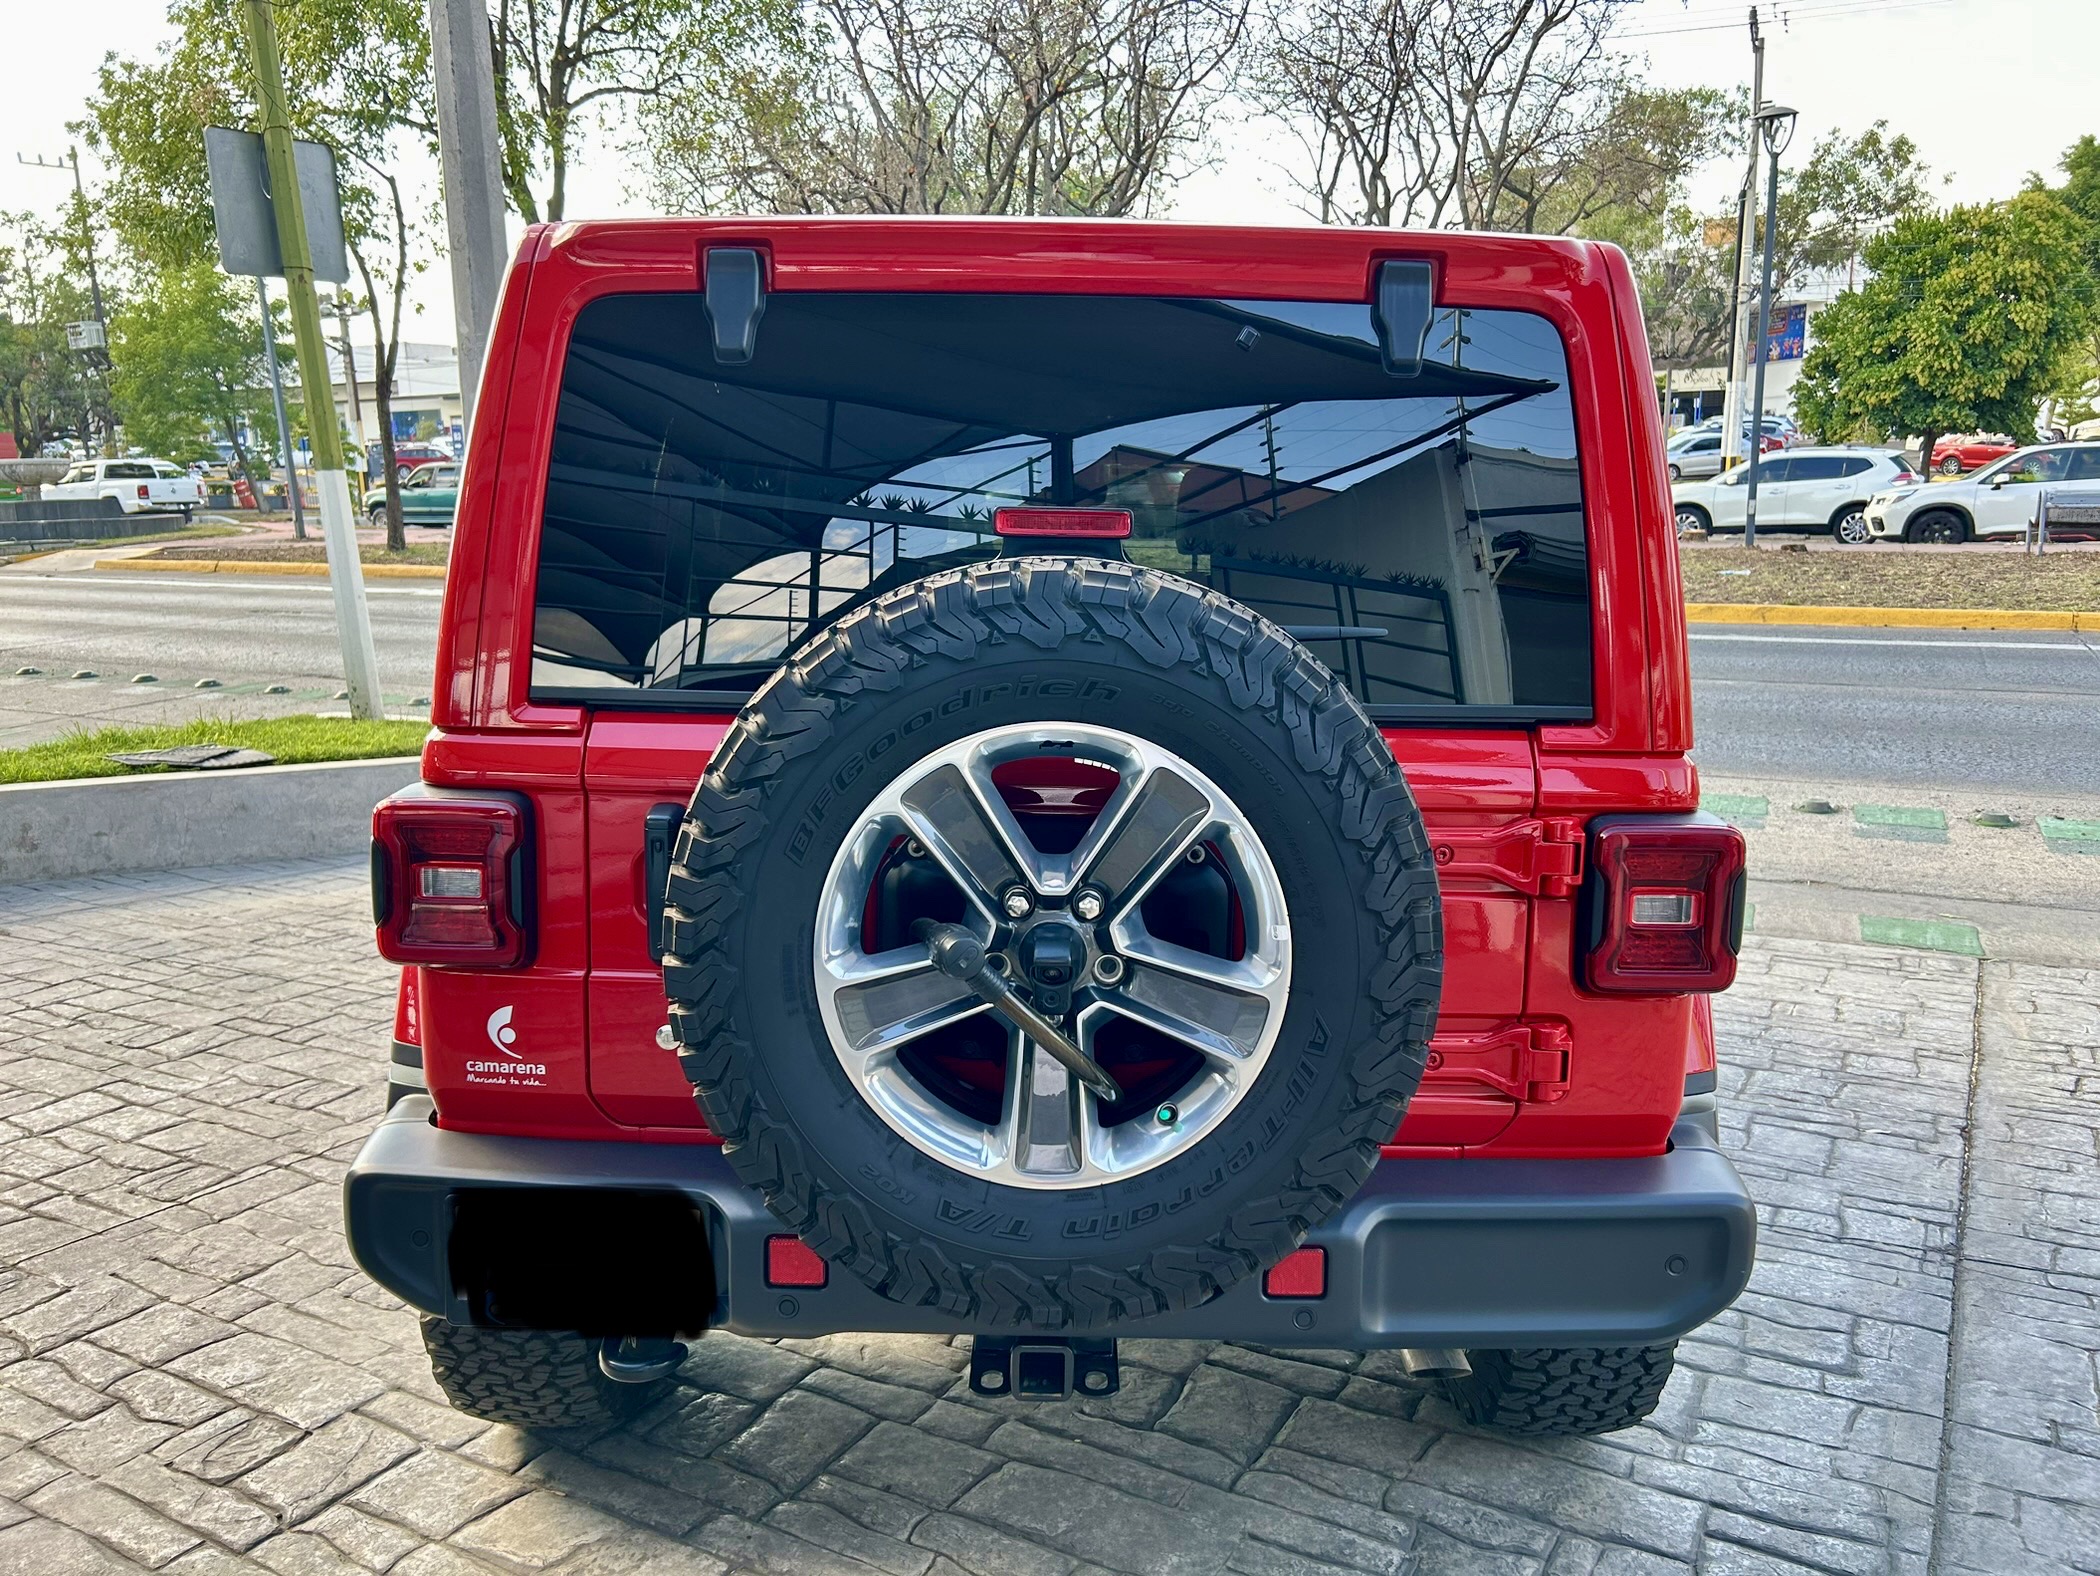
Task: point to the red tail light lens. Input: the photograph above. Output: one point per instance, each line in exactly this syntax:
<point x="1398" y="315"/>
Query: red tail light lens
<point x="1300" y="1274"/>
<point x="449" y="879"/>
<point x="1665" y="899"/>
<point x="1111" y="524"/>
<point x="145" y="491"/>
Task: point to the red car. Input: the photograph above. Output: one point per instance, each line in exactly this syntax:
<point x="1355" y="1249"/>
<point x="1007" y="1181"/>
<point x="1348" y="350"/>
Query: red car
<point x="1951" y="456"/>
<point x="1056" y="780"/>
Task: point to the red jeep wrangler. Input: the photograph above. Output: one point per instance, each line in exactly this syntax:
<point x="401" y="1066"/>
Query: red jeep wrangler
<point x="1058" y="781"/>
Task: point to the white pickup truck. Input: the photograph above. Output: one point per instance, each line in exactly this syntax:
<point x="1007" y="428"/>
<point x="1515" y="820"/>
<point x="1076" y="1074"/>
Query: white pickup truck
<point x="138" y="485"/>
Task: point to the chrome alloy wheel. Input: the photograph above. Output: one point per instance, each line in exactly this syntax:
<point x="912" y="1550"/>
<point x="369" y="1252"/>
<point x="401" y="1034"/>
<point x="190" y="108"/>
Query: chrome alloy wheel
<point x="1216" y="1016"/>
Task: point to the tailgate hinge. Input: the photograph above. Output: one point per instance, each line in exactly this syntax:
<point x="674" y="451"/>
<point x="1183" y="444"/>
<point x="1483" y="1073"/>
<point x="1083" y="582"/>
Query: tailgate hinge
<point x="1526" y="1060"/>
<point x="1542" y="857"/>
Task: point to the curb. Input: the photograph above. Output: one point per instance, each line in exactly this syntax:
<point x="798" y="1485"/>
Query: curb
<point x="1889" y="617"/>
<point x="233" y="566"/>
<point x="176" y="820"/>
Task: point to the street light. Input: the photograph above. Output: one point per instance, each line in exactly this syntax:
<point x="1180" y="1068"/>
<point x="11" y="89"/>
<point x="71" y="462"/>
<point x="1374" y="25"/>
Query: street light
<point x="1775" y="123"/>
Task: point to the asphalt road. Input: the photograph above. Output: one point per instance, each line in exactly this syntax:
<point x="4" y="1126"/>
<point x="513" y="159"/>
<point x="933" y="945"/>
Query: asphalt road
<point x="2008" y="710"/>
<point x="2013" y="711"/>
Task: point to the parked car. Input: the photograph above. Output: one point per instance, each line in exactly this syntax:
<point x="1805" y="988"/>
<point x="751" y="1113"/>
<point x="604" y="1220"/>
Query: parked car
<point x="138" y="485"/>
<point x="1780" y="427"/>
<point x="429" y="496"/>
<point x="1817" y="489"/>
<point x="1957" y="453"/>
<point x="1997" y="501"/>
<point x="407" y="457"/>
<point x="1054" y="949"/>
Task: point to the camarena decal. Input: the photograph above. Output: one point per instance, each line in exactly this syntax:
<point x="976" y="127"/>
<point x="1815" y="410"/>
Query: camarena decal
<point x="516" y="1072"/>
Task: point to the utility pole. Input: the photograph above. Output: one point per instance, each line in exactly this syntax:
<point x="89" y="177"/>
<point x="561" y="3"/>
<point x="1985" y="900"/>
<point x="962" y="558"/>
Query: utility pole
<point x="87" y="238"/>
<point x="1732" y="416"/>
<point x="289" y="453"/>
<point x="345" y="574"/>
<point x="350" y="394"/>
<point x="472" y="158"/>
<point x="1775" y="126"/>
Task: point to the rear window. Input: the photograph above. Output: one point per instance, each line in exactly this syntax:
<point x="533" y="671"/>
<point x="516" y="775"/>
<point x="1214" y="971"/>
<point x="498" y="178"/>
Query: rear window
<point x="1424" y="535"/>
<point x="127" y="471"/>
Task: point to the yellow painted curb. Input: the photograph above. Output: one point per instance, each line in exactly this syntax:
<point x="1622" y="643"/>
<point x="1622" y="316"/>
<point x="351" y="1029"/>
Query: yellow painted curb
<point x="229" y="566"/>
<point x="1889" y="617"/>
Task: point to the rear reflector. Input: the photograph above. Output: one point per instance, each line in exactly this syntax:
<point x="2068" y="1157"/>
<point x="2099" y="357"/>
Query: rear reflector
<point x="1665" y="904"/>
<point x="791" y="1262"/>
<point x="1103" y="523"/>
<point x="1303" y="1275"/>
<point x="449" y="879"/>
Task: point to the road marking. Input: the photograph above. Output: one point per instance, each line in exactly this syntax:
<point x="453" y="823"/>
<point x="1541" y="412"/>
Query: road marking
<point x="219" y="587"/>
<point x="1936" y="645"/>
<point x="1934" y="935"/>
<point x="1744" y="809"/>
<point x="1900" y="822"/>
<point x="2069" y="837"/>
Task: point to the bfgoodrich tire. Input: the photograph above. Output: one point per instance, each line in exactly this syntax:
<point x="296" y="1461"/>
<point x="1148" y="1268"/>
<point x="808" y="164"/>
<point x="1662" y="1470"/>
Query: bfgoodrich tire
<point x="530" y="1378"/>
<point x="1562" y="1390"/>
<point x="1098" y="648"/>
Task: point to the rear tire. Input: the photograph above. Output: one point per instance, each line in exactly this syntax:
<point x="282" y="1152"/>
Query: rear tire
<point x="1849" y="525"/>
<point x="1565" y="1391"/>
<point x="1950" y="466"/>
<point x="529" y="1378"/>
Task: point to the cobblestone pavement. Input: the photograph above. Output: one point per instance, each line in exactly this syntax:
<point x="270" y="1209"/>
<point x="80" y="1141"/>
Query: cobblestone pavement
<point x="193" y="1378"/>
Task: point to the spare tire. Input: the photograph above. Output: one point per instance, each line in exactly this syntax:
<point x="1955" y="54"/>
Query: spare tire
<point x="1169" y="826"/>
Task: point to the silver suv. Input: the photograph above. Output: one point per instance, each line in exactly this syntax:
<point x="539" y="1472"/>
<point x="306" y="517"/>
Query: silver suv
<point x="1995" y="501"/>
<point x="1801" y="489"/>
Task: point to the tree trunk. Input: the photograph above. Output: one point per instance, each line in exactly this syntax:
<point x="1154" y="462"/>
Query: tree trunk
<point x="1926" y="440"/>
<point x="383" y="397"/>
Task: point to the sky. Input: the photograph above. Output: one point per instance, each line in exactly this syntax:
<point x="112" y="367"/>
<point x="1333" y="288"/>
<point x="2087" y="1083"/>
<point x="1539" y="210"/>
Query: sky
<point x="1988" y="89"/>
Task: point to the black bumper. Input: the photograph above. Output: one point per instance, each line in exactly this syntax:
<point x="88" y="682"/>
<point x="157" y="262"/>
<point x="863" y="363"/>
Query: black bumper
<point x="1450" y="1253"/>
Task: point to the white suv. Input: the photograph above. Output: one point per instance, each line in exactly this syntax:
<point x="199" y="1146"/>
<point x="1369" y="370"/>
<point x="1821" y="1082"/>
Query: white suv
<point x="1813" y="489"/>
<point x="141" y="484"/>
<point x="1995" y="501"/>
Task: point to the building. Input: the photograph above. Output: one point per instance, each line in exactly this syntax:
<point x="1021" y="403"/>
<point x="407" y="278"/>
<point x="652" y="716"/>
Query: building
<point x="1690" y="395"/>
<point x="426" y="400"/>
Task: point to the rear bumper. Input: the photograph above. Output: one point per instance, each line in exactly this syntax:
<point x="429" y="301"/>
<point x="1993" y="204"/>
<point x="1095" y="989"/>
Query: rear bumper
<point x="1457" y="1253"/>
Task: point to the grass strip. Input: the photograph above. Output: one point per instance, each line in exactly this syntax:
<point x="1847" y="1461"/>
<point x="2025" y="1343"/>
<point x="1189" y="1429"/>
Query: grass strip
<point x="293" y="740"/>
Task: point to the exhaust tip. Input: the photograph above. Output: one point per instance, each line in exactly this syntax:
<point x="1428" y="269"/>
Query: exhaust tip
<point x="1434" y="1362"/>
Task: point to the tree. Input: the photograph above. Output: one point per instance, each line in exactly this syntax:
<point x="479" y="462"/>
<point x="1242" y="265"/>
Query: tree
<point x="358" y="77"/>
<point x="1963" y="323"/>
<point x="46" y="390"/>
<point x="557" y="61"/>
<point x="1844" y="194"/>
<point x="187" y="350"/>
<point x="1489" y="114"/>
<point x="956" y="106"/>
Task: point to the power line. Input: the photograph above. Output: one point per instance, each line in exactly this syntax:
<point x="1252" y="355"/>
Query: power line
<point x="1786" y="16"/>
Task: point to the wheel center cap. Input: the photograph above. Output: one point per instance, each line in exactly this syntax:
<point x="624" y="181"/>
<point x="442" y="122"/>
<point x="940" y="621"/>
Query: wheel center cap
<point x="1051" y="955"/>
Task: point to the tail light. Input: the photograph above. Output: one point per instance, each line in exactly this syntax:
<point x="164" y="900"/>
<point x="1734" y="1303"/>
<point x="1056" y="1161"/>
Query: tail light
<point x="145" y="491"/>
<point x="1110" y="524"/>
<point x="1665" y="904"/>
<point x="450" y="879"/>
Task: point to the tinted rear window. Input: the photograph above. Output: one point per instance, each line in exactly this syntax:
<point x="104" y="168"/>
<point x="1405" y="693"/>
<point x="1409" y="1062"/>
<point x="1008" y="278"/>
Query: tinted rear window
<point x="1426" y="534"/>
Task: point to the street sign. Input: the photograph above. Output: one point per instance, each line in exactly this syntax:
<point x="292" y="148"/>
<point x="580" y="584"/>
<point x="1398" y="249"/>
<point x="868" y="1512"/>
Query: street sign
<point x="246" y="219"/>
<point x="86" y="336"/>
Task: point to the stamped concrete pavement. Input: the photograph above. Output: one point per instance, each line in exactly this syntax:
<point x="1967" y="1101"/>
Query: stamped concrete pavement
<point x="194" y="1378"/>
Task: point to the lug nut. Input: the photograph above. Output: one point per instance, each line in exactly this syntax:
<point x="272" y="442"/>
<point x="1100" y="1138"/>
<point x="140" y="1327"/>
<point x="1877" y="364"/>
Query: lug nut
<point x="1108" y="970"/>
<point x="1088" y="906"/>
<point x="1017" y="903"/>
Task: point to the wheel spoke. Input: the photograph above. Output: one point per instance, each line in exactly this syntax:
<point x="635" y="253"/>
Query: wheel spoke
<point x="1160" y="820"/>
<point x="1218" y="1008"/>
<point x="887" y="1007"/>
<point x="1045" y="1129"/>
<point x="954" y="815"/>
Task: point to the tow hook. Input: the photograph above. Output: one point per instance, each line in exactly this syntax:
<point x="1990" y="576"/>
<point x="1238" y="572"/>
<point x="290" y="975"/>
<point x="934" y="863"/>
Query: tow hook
<point x="1043" y="1368"/>
<point x="637" y="1359"/>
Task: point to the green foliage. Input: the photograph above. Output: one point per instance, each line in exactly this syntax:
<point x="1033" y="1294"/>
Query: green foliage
<point x="1846" y="192"/>
<point x="1963" y="325"/>
<point x="187" y="351"/>
<point x="560" y="61"/>
<point x="45" y="389"/>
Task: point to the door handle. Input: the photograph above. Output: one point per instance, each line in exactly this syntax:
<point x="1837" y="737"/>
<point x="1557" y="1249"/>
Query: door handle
<point x="659" y="835"/>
